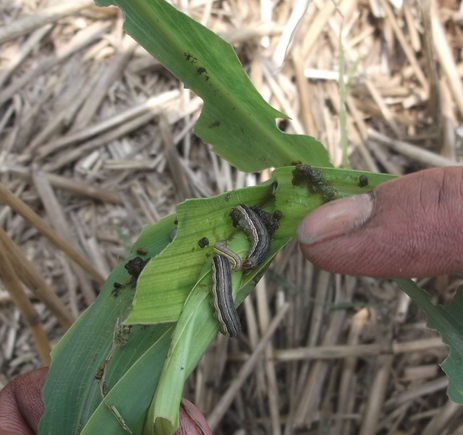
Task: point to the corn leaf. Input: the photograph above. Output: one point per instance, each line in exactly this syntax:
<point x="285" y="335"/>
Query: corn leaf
<point x="71" y="393"/>
<point x="448" y="322"/>
<point x="139" y="380"/>
<point x="194" y="332"/>
<point x="167" y="280"/>
<point x="235" y="119"/>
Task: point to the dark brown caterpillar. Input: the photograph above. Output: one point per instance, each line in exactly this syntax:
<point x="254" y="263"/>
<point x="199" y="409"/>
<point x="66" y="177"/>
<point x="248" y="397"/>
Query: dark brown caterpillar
<point x="246" y="219"/>
<point x="222" y="299"/>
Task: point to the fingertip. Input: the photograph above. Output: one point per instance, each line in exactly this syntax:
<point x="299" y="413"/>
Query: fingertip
<point x="192" y="422"/>
<point x="335" y="219"/>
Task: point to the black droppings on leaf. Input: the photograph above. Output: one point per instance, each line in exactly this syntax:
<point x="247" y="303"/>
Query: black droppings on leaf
<point x="313" y="180"/>
<point x="214" y="124"/>
<point x="117" y="289"/>
<point x="302" y="174"/>
<point x="135" y="266"/>
<point x="203" y="242"/>
<point x="189" y="57"/>
<point x="363" y="181"/>
<point x="268" y="219"/>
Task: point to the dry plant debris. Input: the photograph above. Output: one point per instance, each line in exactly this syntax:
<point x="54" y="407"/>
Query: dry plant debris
<point x="93" y="130"/>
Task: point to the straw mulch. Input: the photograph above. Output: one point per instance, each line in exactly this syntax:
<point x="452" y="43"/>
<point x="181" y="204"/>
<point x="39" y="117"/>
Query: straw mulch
<point x="92" y="130"/>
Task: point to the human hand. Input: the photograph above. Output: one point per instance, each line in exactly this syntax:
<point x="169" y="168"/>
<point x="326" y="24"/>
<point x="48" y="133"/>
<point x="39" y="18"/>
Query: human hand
<point x="21" y="405"/>
<point x="21" y="408"/>
<point x="408" y="227"/>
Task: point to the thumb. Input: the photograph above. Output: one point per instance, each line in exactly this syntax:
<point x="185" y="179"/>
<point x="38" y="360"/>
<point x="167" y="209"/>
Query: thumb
<point x="408" y="227"/>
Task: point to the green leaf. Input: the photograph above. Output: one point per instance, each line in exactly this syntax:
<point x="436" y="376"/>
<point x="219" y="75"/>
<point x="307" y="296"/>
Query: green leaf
<point x="163" y="415"/>
<point x="195" y="330"/>
<point x="71" y="393"/>
<point x="235" y="119"/>
<point x="140" y="381"/>
<point x="448" y="322"/>
<point x="166" y="281"/>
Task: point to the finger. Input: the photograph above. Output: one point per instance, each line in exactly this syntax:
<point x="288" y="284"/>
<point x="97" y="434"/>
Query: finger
<point x="21" y="405"/>
<point x="192" y="422"/>
<point x="407" y="227"/>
